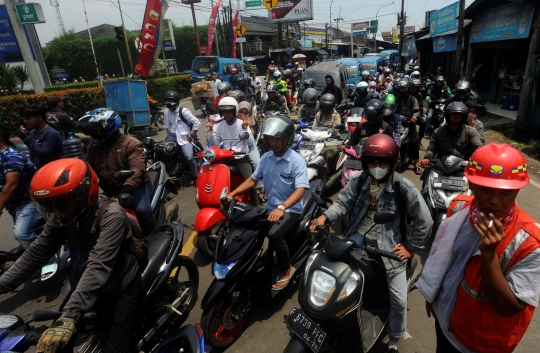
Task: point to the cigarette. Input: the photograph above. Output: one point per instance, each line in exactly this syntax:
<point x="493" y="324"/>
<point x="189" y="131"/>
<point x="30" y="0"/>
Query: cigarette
<point x="490" y="224"/>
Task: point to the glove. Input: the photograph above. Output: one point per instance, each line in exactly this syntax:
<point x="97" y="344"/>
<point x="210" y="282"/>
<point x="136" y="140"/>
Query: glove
<point x="23" y="133"/>
<point x="57" y="335"/>
<point x="125" y="197"/>
<point x="425" y="162"/>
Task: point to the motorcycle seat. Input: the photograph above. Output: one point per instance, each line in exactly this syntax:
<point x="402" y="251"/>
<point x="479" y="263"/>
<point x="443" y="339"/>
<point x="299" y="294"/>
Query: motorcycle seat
<point x="158" y="247"/>
<point x="153" y="175"/>
<point x="314" y="186"/>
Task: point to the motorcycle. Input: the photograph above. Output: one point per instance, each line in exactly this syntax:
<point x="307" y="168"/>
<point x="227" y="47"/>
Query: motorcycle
<point x="216" y="179"/>
<point x="353" y="165"/>
<point x="343" y="296"/>
<point x="443" y="180"/>
<point x="438" y="119"/>
<point x="309" y="144"/>
<point x="355" y="118"/>
<point x="189" y="339"/>
<point x="170" y="283"/>
<point x="239" y="266"/>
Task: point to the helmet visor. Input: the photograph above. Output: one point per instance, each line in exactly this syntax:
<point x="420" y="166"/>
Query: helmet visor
<point x="275" y="127"/>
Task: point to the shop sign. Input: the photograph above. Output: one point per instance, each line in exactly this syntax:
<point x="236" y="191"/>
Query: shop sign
<point x="444" y="20"/>
<point x="512" y="21"/>
<point x="409" y="49"/>
<point x="444" y="43"/>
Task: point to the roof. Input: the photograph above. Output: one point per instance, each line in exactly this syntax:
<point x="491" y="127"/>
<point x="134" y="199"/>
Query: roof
<point x="103" y="30"/>
<point x="324" y="66"/>
<point x="482" y="5"/>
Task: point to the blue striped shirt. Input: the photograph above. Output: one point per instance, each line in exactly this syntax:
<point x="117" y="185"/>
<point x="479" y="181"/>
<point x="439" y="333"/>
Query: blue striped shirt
<point x="12" y="160"/>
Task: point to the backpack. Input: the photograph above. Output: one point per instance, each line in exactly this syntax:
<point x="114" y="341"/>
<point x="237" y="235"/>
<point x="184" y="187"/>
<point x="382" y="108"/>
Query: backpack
<point x="190" y="125"/>
<point x="139" y="243"/>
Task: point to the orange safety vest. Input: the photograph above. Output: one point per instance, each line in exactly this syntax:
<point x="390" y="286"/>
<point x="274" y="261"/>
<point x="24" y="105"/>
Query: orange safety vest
<point x="460" y="202"/>
<point x="475" y="322"/>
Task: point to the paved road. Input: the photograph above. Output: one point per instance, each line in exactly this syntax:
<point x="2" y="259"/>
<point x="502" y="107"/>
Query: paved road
<point x="266" y="331"/>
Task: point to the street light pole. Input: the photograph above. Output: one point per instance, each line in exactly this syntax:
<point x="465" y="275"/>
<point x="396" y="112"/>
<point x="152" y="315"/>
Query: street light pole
<point x="330" y="24"/>
<point x="125" y="38"/>
<point x="377" y="27"/>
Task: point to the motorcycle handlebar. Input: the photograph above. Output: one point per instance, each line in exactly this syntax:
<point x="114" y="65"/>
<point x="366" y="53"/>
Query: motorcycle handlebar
<point x="386" y="254"/>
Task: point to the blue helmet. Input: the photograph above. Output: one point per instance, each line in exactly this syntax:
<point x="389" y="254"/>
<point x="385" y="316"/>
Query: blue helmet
<point x="100" y="122"/>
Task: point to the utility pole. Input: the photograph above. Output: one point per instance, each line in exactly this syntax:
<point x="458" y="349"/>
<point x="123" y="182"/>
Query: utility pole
<point x="459" y="41"/>
<point x="401" y="32"/>
<point x="92" y="45"/>
<point x="196" y="30"/>
<point x="18" y="30"/>
<point x="126" y="38"/>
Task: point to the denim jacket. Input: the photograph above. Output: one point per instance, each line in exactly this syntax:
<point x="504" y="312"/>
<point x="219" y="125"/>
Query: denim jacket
<point x="354" y="199"/>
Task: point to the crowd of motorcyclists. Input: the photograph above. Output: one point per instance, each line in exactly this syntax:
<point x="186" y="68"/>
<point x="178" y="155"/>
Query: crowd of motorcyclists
<point x="65" y="193"/>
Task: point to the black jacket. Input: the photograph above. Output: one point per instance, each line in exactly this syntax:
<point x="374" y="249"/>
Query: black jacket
<point x="335" y="90"/>
<point x="446" y="141"/>
<point x="364" y="130"/>
<point x="61" y="121"/>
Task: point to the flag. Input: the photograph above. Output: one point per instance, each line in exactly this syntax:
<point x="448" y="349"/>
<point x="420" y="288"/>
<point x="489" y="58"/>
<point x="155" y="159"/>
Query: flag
<point x="234" y="24"/>
<point x="212" y="28"/>
<point x="151" y="36"/>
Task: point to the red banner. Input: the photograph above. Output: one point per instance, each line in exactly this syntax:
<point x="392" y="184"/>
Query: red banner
<point x="212" y="28"/>
<point x="234" y="24"/>
<point x="151" y="36"/>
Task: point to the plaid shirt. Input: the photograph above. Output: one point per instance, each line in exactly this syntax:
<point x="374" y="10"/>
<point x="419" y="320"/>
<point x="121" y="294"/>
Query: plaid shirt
<point x="12" y="160"/>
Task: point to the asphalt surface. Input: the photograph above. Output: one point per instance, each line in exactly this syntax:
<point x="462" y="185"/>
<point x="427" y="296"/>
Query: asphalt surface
<point x="266" y="330"/>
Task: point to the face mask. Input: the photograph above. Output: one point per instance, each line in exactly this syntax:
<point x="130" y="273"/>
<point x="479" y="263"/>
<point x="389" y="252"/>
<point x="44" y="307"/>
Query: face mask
<point x="471" y="115"/>
<point x="371" y="90"/>
<point x="378" y="173"/>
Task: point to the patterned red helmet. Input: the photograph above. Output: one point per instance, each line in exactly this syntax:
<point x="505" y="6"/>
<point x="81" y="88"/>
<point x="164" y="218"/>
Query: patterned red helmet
<point x="498" y="166"/>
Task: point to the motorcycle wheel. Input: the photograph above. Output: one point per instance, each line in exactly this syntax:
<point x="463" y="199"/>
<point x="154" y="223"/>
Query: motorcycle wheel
<point x="207" y="240"/>
<point x="226" y="320"/>
<point x="184" y="281"/>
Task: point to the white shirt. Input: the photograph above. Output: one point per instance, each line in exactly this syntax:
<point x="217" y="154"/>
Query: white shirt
<point x="230" y="135"/>
<point x="256" y="82"/>
<point x="175" y="125"/>
<point x="214" y="85"/>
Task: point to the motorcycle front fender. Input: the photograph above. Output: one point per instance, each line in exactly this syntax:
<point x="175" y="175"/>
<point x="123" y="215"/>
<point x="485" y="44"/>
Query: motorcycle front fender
<point x="216" y="291"/>
<point x="296" y="345"/>
<point x="208" y="217"/>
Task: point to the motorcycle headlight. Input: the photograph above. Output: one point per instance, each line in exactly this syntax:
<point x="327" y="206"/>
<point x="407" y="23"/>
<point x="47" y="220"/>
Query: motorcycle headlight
<point x="352" y="283"/>
<point x="322" y="287"/>
<point x="220" y="271"/>
<point x="224" y="193"/>
<point x="309" y="261"/>
<point x="209" y="155"/>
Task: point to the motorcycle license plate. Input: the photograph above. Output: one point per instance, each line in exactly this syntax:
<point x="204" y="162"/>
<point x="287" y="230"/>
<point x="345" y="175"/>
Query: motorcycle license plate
<point x="354" y="119"/>
<point x="306" y="329"/>
<point x="448" y="184"/>
<point x="307" y="145"/>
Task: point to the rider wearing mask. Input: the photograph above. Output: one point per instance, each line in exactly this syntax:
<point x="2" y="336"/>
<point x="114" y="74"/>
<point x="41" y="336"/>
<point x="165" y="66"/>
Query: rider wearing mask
<point x="284" y="173"/>
<point x="275" y="101"/>
<point x="112" y="151"/>
<point x="456" y="138"/>
<point x="472" y="121"/>
<point x="387" y="73"/>
<point x="416" y="85"/>
<point x="365" y="76"/>
<point x="247" y="90"/>
<point x="391" y="118"/>
<point x="308" y="83"/>
<point x="407" y="106"/>
<point x="372" y="91"/>
<point x="256" y="84"/>
<point x="374" y="190"/>
<point x="374" y="124"/>
<point x="105" y="274"/>
<point x="462" y="93"/>
<point x="234" y="77"/>
<point x="328" y="118"/>
<point x="332" y="88"/>
<point x="311" y="107"/>
<point x="361" y="94"/>
<point x="181" y="126"/>
<point x="439" y="91"/>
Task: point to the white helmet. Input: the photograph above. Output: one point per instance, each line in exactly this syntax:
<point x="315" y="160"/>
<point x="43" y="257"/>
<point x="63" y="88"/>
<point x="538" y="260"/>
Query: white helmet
<point x="228" y="103"/>
<point x="415" y="74"/>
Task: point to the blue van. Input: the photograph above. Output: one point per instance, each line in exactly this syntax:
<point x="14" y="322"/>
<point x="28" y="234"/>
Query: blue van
<point x="352" y="65"/>
<point x="371" y="63"/>
<point x="203" y="65"/>
<point x="393" y="56"/>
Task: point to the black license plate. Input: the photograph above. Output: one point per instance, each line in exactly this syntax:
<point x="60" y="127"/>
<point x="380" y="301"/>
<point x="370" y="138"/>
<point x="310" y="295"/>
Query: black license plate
<point x="306" y="329"/>
<point x="307" y="145"/>
<point x="448" y="184"/>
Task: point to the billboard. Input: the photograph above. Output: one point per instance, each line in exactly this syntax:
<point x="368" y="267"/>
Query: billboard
<point x="168" y="36"/>
<point x="444" y="21"/>
<point x="512" y="21"/>
<point x="395" y="37"/>
<point x="426" y="20"/>
<point x="444" y="43"/>
<point x="409" y="29"/>
<point x="292" y="10"/>
<point x="360" y="25"/>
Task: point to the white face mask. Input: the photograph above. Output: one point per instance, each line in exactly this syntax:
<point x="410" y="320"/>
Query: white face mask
<point x="378" y="173"/>
<point x="371" y="90"/>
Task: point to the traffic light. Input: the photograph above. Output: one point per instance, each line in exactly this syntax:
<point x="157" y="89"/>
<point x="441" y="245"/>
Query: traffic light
<point x="120" y="34"/>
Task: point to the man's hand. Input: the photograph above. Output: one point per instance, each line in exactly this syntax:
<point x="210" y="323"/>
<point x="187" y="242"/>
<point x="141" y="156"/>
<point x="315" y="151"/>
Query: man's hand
<point x="471" y="121"/>
<point x="209" y="126"/>
<point x="429" y="309"/>
<point x="341" y="148"/>
<point x="125" y="196"/>
<point x="491" y="233"/>
<point x="402" y="252"/>
<point x="23" y="133"/>
<point x="262" y="196"/>
<point x="275" y="215"/>
<point x="425" y="162"/>
<point x="430" y="101"/>
<point x="273" y="104"/>
<point x="56" y="336"/>
<point x="316" y="223"/>
<point x="193" y="133"/>
<point x="412" y="119"/>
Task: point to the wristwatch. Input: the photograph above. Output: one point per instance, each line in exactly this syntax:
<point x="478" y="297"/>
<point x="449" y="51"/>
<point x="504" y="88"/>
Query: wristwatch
<point x="282" y="207"/>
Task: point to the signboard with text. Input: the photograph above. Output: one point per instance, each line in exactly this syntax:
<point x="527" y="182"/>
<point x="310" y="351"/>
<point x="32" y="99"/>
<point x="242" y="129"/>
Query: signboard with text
<point x="9" y="48"/>
<point x="253" y="3"/>
<point x="360" y="25"/>
<point x="409" y="29"/>
<point x="168" y="36"/>
<point x="512" y="21"/>
<point x="30" y="13"/>
<point x="444" y="43"/>
<point x="292" y="11"/>
<point x="444" y="20"/>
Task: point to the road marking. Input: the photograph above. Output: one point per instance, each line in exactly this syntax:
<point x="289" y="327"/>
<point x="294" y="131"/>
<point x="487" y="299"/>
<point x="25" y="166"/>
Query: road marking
<point x="535" y="183"/>
<point x="190" y="244"/>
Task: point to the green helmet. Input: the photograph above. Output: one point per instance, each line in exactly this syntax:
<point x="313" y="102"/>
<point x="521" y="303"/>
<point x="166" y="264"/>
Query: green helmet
<point x="389" y="105"/>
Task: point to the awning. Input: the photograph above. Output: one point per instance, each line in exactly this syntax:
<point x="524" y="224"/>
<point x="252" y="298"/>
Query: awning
<point x="321" y="51"/>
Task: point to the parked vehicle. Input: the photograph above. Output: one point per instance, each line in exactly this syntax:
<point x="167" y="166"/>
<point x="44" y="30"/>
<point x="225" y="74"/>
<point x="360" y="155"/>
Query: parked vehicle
<point x="240" y="270"/>
<point x="336" y="69"/>
<point x="203" y="65"/>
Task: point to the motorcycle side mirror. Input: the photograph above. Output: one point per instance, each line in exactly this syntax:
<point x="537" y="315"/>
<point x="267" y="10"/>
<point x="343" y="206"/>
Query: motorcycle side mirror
<point x="383" y="217"/>
<point x="318" y="200"/>
<point x="45" y="315"/>
<point x="244" y="136"/>
<point x="123" y="174"/>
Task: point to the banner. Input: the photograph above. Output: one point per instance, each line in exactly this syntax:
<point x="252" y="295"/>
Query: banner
<point x="395" y="38"/>
<point x="234" y="24"/>
<point x="445" y="43"/>
<point x="151" y="36"/>
<point x="212" y="28"/>
<point x="360" y="25"/>
<point x="505" y="22"/>
<point x="444" y="21"/>
<point x="292" y="11"/>
<point x="168" y="36"/>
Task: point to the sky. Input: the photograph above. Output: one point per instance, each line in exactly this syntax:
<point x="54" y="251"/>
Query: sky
<point x="106" y="11"/>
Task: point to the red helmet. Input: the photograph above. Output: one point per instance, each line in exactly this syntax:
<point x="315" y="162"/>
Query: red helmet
<point x="497" y="166"/>
<point x="62" y="190"/>
<point x="380" y="146"/>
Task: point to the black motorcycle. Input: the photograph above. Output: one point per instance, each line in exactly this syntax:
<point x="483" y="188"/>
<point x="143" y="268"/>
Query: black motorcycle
<point x="240" y="266"/>
<point x="438" y="119"/>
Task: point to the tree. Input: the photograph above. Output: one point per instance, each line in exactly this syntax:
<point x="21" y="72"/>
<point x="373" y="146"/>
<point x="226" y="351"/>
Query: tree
<point x="11" y="77"/>
<point x="21" y="74"/>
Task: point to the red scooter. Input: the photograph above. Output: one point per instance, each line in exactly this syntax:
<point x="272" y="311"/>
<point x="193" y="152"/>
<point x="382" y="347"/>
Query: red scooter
<point x="217" y="178"/>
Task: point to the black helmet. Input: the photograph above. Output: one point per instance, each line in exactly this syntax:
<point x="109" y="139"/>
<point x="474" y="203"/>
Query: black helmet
<point x="310" y="81"/>
<point x="365" y="74"/>
<point x="238" y="95"/>
<point x="457" y="107"/>
<point x="208" y="76"/>
<point x="403" y="83"/>
<point x="172" y="100"/>
<point x="374" y="111"/>
<point x="241" y="81"/>
<point x="387" y="72"/>
<point x="471" y="104"/>
<point x="463" y="88"/>
<point x="281" y="127"/>
<point x="310" y="96"/>
<point x="440" y="78"/>
<point x="223" y="87"/>
<point x="271" y="88"/>
<point x="415" y="82"/>
<point x="327" y="102"/>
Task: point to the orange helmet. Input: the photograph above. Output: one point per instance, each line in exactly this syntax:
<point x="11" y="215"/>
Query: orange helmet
<point x="497" y="166"/>
<point x="62" y="190"/>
